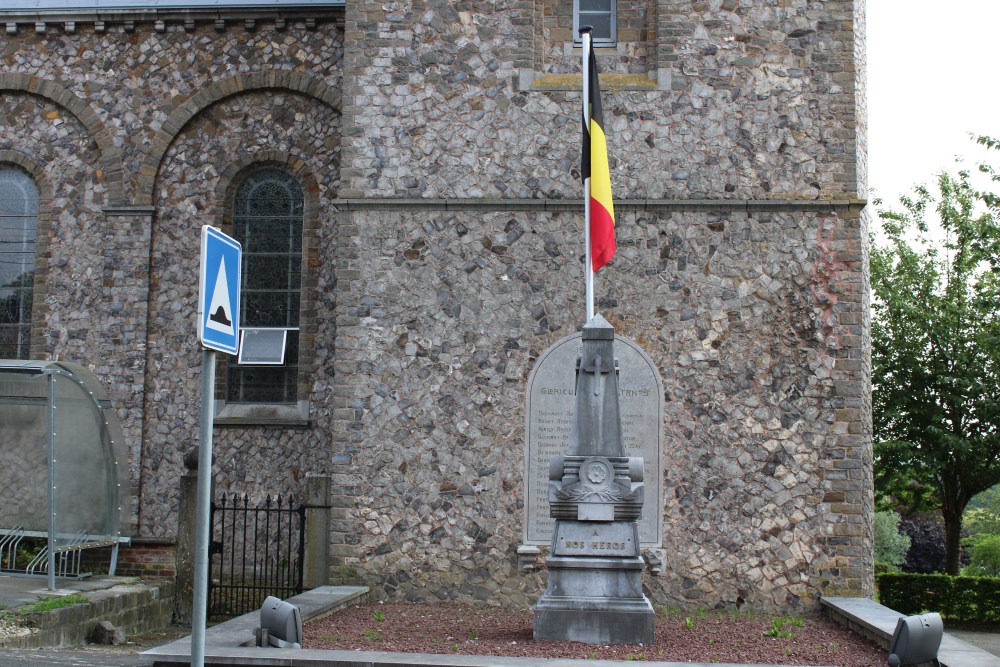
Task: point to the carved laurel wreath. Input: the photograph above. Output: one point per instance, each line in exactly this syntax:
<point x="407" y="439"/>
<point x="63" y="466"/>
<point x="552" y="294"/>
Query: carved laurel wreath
<point x="582" y="492"/>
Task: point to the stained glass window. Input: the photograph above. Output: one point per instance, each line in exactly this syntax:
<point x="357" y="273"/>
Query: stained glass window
<point x="267" y="221"/>
<point x="18" y="228"/>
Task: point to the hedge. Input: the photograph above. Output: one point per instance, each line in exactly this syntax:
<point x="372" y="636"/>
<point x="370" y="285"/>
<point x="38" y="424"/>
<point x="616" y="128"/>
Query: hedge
<point x="964" y="598"/>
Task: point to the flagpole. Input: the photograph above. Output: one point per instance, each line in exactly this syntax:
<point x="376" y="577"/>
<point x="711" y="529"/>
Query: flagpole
<point x="588" y="260"/>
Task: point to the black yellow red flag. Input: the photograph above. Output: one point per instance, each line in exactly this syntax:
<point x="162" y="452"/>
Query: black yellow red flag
<point x="595" y="166"/>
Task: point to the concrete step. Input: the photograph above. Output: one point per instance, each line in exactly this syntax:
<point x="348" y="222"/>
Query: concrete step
<point x="878" y="623"/>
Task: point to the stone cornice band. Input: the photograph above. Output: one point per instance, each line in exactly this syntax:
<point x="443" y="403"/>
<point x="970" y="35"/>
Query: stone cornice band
<point x="558" y="205"/>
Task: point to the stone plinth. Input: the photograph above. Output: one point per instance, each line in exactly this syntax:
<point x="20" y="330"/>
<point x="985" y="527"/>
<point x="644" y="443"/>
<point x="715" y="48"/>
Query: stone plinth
<point x="621" y="614"/>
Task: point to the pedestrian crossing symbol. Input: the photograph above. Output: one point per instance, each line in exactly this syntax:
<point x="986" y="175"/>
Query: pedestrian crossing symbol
<point x="219" y="291"/>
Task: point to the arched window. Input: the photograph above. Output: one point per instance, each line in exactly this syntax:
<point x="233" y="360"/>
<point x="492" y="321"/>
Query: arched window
<point x="18" y="228"/>
<point x="267" y="221"/>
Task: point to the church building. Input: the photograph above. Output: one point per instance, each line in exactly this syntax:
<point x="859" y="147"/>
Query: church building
<point x="404" y="178"/>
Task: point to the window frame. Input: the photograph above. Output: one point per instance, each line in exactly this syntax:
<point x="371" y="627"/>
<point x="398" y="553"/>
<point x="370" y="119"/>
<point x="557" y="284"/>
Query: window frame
<point x="293" y="413"/>
<point x="579" y="19"/>
<point x="32" y="212"/>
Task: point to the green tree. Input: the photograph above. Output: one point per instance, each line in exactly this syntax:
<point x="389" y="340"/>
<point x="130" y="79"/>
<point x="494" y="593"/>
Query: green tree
<point x="985" y="560"/>
<point x="890" y="544"/>
<point x="935" y="351"/>
<point x="983" y="512"/>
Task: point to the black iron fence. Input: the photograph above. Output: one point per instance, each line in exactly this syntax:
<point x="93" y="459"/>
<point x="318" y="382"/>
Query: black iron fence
<point x="257" y="550"/>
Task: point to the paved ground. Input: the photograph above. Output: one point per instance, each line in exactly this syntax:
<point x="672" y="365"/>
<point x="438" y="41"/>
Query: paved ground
<point x="126" y="655"/>
<point x="984" y="639"/>
<point x="17" y="591"/>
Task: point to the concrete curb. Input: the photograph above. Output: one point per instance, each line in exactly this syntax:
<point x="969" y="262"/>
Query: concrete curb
<point x="231" y="643"/>
<point x="234" y="639"/>
<point x="877" y="622"/>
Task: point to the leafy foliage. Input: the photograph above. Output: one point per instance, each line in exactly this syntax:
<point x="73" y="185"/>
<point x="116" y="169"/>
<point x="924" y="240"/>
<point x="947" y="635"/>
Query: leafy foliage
<point x="985" y="561"/>
<point x="964" y="598"/>
<point x="891" y="545"/>
<point x="935" y="357"/>
<point x="926" y="554"/>
<point x="777" y="630"/>
<point x="988" y="499"/>
<point x="981" y="520"/>
<point x="48" y="604"/>
<point x="983" y="512"/>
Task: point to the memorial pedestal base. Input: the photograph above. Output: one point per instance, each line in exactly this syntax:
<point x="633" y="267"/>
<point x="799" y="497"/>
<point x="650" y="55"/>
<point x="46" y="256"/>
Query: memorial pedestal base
<point x="621" y="614"/>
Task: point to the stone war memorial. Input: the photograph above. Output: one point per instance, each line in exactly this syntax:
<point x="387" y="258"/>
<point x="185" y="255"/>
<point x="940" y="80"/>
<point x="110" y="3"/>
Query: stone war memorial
<point x="594" y="589"/>
<point x="550" y="406"/>
<point x="405" y="179"/>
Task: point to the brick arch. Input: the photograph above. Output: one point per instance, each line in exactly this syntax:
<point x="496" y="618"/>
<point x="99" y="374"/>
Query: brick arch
<point x="225" y="194"/>
<point x="231" y="178"/>
<point x="220" y="90"/>
<point x="111" y="159"/>
<point x="42" y="232"/>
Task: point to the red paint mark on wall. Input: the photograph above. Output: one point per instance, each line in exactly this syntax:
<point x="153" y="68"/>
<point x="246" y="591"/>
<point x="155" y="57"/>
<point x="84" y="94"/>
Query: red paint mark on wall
<point x="827" y="280"/>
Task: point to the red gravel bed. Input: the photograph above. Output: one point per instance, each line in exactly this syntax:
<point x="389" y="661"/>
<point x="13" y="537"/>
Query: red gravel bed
<point x="706" y="636"/>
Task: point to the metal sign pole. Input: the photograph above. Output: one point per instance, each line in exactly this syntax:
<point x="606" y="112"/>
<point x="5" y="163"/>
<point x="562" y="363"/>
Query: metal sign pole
<point x="203" y="508"/>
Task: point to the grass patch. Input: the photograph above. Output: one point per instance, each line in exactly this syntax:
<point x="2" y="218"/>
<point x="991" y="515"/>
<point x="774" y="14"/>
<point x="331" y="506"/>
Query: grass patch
<point x="671" y="612"/>
<point x="48" y="604"/>
<point x="778" y="631"/>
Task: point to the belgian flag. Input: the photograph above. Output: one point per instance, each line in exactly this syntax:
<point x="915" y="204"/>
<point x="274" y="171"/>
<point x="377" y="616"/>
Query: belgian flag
<point x="595" y="167"/>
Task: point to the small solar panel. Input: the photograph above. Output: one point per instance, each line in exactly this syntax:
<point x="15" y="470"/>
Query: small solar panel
<point x="262" y="347"/>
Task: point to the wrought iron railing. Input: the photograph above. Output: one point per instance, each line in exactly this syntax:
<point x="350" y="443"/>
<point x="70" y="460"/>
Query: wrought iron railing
<point x="257" y="550"/>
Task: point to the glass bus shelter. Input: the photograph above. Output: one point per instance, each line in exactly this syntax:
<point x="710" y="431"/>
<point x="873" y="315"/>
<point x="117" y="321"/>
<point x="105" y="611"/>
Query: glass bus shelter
<point x="62" y="466"/>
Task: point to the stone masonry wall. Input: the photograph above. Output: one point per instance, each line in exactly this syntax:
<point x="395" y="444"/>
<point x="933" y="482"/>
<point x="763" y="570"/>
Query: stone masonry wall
<point x="443" y="255"/>
<point x="636" y="20"/>
<point x="112" y="121"/>
<point x="764" y="480"/>
<point x="761" y="106"/>
<point x="247" y="129"/>
<point x="755" y="317"/>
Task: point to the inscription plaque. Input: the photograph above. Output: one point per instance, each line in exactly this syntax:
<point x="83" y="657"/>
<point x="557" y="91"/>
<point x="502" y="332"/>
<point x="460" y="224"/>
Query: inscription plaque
<point x="609" y="539"/>
<point x="549" y="419"/>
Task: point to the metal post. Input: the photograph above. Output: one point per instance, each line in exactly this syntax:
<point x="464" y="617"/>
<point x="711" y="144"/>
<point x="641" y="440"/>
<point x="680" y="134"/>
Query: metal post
<point x="52" y="482"/>
<point x="588" y="260"/>
<point x="203" y="510"/>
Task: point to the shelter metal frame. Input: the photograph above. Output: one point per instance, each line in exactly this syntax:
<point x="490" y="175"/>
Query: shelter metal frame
<point x="62" y="555"/>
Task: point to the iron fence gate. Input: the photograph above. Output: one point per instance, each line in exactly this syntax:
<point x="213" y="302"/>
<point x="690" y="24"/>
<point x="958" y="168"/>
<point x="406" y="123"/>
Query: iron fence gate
<point x="257" y="550"/>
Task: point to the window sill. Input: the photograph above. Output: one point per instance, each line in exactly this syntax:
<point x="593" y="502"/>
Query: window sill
<point x="262" y="414"/>
<point x="529" y="80"/>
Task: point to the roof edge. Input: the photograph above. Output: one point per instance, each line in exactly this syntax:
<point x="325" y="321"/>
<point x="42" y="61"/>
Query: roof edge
<point x="73" y="13"/>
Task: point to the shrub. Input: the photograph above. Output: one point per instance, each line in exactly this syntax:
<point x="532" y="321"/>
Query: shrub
<point x="964" y="598"/>
<point x="926" y="554"/>
<point x="891" y="545"/>
<point x="881" y="568"/>
<point x="985" y="561"/>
